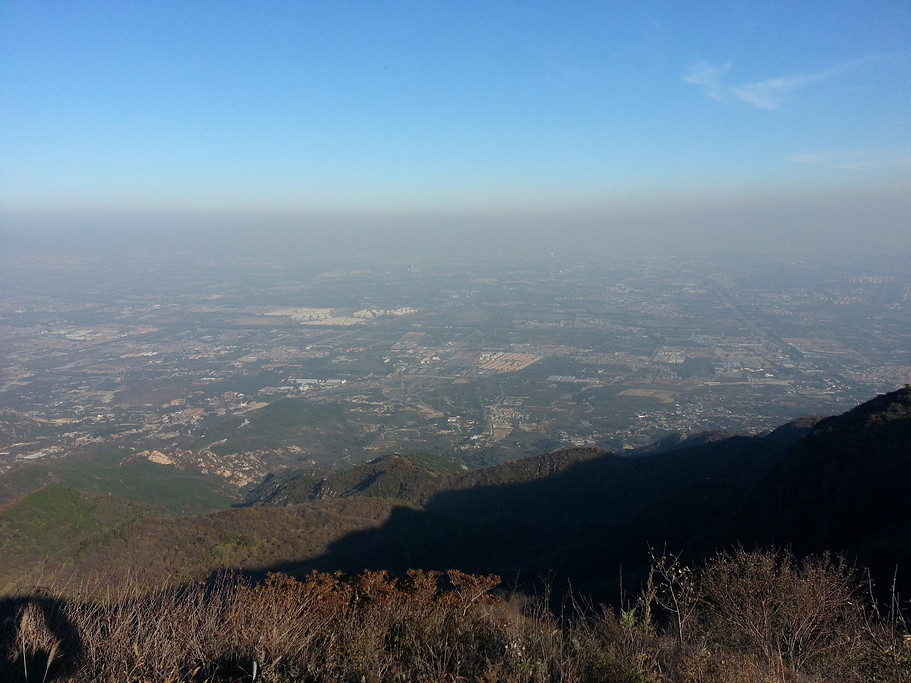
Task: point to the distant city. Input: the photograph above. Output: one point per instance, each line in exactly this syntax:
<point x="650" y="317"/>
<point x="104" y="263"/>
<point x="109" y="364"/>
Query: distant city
<point x="238" y="368"/>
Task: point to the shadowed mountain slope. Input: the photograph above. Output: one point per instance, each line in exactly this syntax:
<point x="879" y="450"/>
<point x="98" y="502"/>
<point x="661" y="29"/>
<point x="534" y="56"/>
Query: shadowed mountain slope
<point x="844" y="487"/>
<point x="576" y="515"/>
<point x="581" y="516"/>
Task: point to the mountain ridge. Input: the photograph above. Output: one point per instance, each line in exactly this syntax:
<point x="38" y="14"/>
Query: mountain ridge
<point x="581" y="516"/>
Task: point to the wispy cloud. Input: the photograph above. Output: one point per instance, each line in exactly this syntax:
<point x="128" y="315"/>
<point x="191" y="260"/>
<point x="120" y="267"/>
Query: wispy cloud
<point x="769" y="94"/>
<point x="708" y="77"/>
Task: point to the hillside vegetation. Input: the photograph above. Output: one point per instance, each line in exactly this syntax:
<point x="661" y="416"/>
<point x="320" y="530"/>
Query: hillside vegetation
<point x="53" y="527"/>
<point x="413" y="478"/>
<point x="577" y="516"/>
<point x="137" y="595"/>
<point x="139" y="481"/>
<point x="743" y="616"/>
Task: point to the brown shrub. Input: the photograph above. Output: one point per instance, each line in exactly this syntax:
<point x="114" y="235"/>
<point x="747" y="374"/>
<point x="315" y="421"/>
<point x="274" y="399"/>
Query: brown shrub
<point x="743" y="617"/>
<point x="793" y="616"/>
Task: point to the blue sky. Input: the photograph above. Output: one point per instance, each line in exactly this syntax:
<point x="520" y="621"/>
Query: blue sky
<point x="616" y="115"/>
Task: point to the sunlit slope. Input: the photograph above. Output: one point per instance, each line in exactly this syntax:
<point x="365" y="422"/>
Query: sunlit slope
<point x="47" y="533"/>
<point x="137" y="480"/>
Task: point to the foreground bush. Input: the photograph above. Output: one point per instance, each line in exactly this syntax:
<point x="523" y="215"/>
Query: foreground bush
<point x="767" y="616"/>
<point x="743" y="616"/>
<point x="324" y="628"/>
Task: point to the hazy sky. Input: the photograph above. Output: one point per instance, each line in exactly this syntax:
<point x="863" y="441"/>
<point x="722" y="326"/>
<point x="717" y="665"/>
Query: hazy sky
<point x="554" y="123"/>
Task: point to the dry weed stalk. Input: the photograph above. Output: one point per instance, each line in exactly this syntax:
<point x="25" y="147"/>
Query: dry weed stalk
<point x="743" y="616"/>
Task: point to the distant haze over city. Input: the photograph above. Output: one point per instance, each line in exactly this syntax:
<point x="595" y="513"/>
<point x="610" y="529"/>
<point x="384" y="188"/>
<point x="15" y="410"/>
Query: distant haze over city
<point x="853" y="222"/>
<point x="582" y="128"/>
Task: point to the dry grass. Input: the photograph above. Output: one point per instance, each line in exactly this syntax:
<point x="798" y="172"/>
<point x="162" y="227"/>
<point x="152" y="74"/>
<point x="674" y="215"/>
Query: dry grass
<point x="743" y="616"/>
